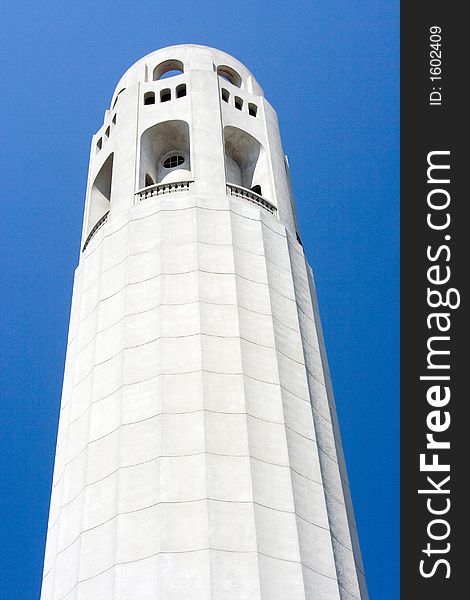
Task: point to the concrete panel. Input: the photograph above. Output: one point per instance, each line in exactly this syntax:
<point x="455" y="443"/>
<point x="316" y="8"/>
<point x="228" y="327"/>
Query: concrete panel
<point x="107" y="377"/>
<point x="97" y="549"/>
<point x="221" y="355"/>
<point x="316" y="548"/>
<point x="184" y="575"/>
<point x="226" y="433"/>
<point x="183" y="478"/>
<point x="138" y="534"/>
<point x="218" y="319"/>
<point x="298" y="415"/>
<point x="238" y="576"/>
<point x="111" y="310"/>
<point x="224" y="392"/>
<point x="113" y="280"/>
<point x="138" y="486"/>
<point x="263" y="400"/>
<point x="229" y="478"/>
<point x="215" y="258"/>
<point x="182" y="434"/>
<point x="232" y="526"/>
<point x="253" y="295"/>
<point x="259" y="362"/>
<point x="281" y="579"/>
<point x="182" y="392"/>
<point x="184" y="526"/>
<point x="247" y="234"/>
<point x="319" y="586"/>
<point x="101" y="586"/>
<point x="277" y="534"/>
<point x="310" y="500"/>
<point x="140" y="441"/>
<point x="214" y="227"/>
<point x="272" y="486"/>
<point x="141" y="400"/>
<point x="267" y="441"/>
<point x="102" y="457"/>
<point x="66" y="570"/>
<point x="217" y="288"/>
<point x="255" y="327"/>
<point x="99" y="501"/>
<point x="104" y="415"/>
<point x="137" y="579"/>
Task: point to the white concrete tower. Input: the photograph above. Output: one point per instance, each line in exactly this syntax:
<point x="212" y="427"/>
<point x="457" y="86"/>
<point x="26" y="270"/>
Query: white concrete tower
<point x="198" y="453"/>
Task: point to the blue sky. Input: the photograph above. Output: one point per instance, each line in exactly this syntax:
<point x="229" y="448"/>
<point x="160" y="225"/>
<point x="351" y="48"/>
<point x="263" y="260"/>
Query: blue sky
<point x="330" y="69"/>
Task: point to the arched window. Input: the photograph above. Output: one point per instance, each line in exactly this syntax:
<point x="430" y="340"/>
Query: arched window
<point x="181" y="90"/>
<point x="225" y="95"/>
<point x="106" y="133"/>
<point x="252" y="109"/>
<point x="168" y="68"/>
<point x="238" y="103"/>
<point x="246" y="162"/>
<point x="229" y="75"/>
<point x="165" y="95"/>
<point x="149" y="98"/>
<point x="99" y="144"/>
<point x="114" y="118"/>
<point x="165" y="153"/>
<point x="100" y="193"/>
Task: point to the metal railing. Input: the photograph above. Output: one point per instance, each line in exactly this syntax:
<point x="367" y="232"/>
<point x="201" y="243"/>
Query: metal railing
<point x="95" y="228"/>
<point x="163" y="188"/>
<point x="241" y="192"/>
<point x="183" y="186"/>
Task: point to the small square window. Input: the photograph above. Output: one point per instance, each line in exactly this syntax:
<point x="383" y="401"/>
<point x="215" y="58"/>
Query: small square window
<point x="165" y="95"/>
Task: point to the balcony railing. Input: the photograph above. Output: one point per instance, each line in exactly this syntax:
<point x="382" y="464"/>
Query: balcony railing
<point x="241" y="192"/>
<point x="163" y="188"/>
<point x="97" y="226"/>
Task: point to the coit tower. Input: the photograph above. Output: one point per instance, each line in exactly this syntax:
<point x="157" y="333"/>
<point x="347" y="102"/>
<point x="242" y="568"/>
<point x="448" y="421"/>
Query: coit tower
<point x="198" y="452"/>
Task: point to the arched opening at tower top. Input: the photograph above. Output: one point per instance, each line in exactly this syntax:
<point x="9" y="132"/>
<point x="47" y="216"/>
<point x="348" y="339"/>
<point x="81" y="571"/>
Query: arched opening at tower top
<point x="117" y="96"/>
<point x="229" y="75"/>
<point x="246" y="162"/>
<point x="168" y="68"/>
<point x="165" y="153"/>
<point x="100" y="194"/>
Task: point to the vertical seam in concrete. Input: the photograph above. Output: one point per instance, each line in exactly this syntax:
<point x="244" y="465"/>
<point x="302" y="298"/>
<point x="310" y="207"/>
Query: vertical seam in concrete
<point x="282" y="405"/>
<point x="341" y="588"/>
<point x="89" y="418"/>
<point x="160" y="386"/>
<point x="209" y="554"/>
<point x="118" y="474"/>
<point x="315" y="427"/>
<point x="336" y="439"/>
<point x="244" y="399"/>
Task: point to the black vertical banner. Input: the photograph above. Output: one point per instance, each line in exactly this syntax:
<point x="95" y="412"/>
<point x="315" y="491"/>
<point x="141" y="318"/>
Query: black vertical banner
<point x="435" y="267"/>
